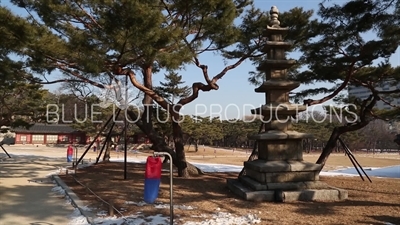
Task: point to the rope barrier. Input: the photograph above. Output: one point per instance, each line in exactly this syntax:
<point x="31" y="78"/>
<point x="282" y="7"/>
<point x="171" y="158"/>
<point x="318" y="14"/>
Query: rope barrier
<point x="104" y="201"/>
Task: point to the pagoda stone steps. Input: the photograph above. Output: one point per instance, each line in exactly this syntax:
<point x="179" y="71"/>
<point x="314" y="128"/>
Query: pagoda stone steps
<point x="282" y="176"/>
<point x="290" y="186"/>
<point x="251" y="190"/>
<point x="282" y="166"/>
<point x="248" y="194"/>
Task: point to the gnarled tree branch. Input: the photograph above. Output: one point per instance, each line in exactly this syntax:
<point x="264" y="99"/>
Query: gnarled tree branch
<point x="211" y="84"/>
<point x="389" y="104"/>
<point x="160" y="100"/>
<point x="87" y="14"/>
<point x="196" y="87"/>
<point x="55" y="81"/>
<point x="310" y="102"/>
<point x="82" y="78"/>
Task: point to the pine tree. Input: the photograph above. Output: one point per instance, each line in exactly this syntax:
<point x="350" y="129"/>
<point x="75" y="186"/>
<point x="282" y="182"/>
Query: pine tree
<point x="335" y="51"/>
<point x="22" y="102"/>
<point x="90" y="39"/>
<point x="172" y="88"/>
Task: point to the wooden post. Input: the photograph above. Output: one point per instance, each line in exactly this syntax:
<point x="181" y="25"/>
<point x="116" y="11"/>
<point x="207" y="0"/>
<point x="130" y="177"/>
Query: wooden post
<point x="111" y="208"/>
<point x="87" y="192"/>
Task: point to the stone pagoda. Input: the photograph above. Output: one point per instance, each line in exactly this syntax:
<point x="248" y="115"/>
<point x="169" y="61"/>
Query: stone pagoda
<point x="279" y="173"/>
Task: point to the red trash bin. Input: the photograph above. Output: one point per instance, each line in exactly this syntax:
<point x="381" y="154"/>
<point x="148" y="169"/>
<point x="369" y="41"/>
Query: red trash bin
<point x="152" y="179"/>
<point x="70" y="152"/>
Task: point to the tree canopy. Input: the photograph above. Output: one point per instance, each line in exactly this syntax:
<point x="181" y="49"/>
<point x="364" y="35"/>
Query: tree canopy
<point x="22" y="102"/>
<point x="100" y="42"/>
<point x="88" y="40"/>
<point x="339" y="50"/>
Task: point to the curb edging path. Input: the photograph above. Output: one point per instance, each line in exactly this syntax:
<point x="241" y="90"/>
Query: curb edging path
<point x="75" y="201"/>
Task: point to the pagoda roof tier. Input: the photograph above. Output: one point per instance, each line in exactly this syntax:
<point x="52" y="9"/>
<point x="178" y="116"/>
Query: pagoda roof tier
<point x="277" y="84"/>
<point x="279" y="135"/>
<point x="276" y="64"/>
<point x="277" y="44"/>
<point x="275" y="30"/>
<point x="279" y="109"/>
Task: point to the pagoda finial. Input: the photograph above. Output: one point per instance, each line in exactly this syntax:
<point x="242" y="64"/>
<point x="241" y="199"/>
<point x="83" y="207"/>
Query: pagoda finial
<point x="274" y="12"/>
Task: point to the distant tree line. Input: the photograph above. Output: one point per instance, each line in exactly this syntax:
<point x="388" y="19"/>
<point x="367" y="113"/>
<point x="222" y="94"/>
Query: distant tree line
<point x="377" y="135"/>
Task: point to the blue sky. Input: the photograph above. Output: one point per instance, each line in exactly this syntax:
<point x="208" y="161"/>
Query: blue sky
<point x="236" y="97"/>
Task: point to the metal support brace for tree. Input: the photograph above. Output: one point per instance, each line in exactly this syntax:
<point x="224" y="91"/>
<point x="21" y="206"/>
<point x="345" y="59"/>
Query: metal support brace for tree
<point x="254" y="153"/>
<point x="171" y="205"/>
<point x="1" y="145"/>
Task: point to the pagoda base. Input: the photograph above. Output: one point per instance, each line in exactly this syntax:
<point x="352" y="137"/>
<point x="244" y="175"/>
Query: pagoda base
<point x="328" y="194"/>
<point x="282" y="171"/>
<point x="284" y="181"/>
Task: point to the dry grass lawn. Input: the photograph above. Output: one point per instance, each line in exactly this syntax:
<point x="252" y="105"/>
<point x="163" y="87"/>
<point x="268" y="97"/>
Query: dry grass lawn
<point x="368" y="203"/>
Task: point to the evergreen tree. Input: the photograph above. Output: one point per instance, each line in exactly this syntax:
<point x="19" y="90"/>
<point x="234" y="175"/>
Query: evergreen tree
<point x="173" y="87"/>
<point x="337" y="52"/>
<point x="170" y="90"/>
<point x="91" y="39"/>
<point x="22" y="102"/>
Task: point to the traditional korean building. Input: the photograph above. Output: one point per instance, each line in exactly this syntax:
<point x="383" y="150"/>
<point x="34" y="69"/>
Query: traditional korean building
<point x="49" y="134"/>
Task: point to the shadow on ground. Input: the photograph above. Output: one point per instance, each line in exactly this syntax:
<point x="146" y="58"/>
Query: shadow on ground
<point x="208" y="194"/>
<point x="25" y="192"/>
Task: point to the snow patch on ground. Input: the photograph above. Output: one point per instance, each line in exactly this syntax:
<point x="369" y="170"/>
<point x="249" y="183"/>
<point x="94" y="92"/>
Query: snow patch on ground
<point x="76" y="218"/>
<point x="141" y="203"/>
<point x="182" y="207"/>
<point x="223" y="218"/>
<point x="59" y="190"/>
<point x="218" y="218"/>
<point x="132" y="220"/>
<point x="336" y="174"/>
<point x="215" y="168"/>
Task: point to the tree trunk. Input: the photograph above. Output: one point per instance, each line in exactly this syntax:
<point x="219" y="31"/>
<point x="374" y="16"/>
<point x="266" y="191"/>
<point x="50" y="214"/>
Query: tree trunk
<point x="331" y="144"/>
<point x="159" y="143"/>
<point x="179" y="147"/>
<point x="329" y="147"/>
<point x="196" y="145"/>
<point x="106" y="157"/>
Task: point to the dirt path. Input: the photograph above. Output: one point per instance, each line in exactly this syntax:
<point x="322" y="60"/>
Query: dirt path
<point x="25" y="192"/>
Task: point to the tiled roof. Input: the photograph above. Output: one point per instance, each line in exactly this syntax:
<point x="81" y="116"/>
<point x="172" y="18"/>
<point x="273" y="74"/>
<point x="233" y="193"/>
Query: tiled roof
<point x="46" y="129"/>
